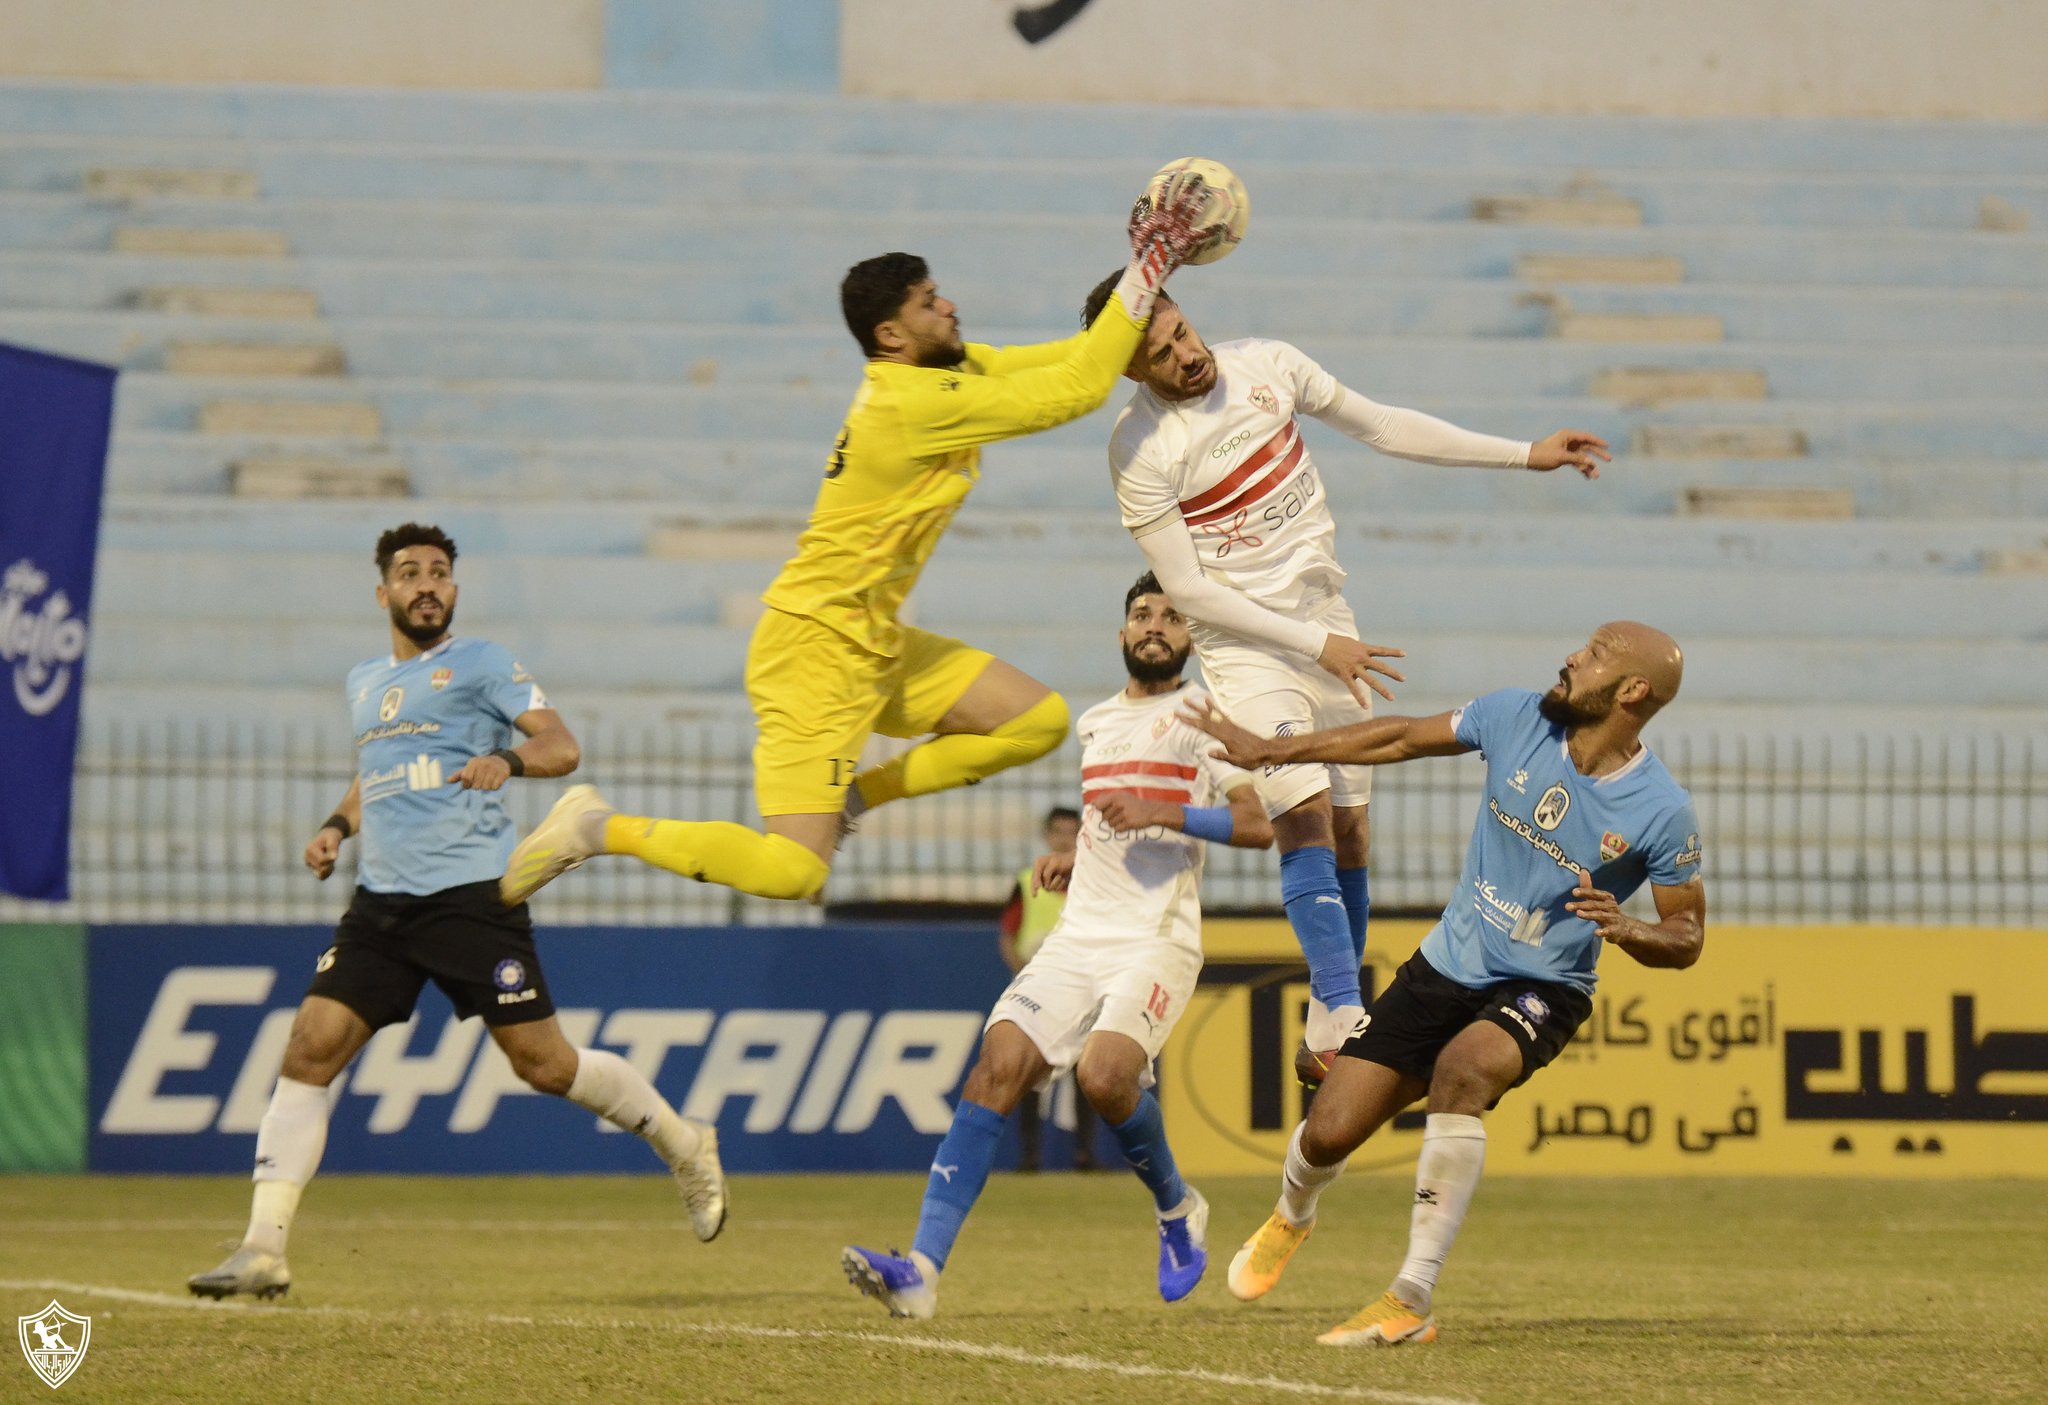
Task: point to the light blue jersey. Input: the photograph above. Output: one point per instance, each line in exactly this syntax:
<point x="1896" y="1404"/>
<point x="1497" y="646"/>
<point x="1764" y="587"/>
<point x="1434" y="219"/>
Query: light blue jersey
<point x="417" y="724"/>
<point x="1542" y="822"/>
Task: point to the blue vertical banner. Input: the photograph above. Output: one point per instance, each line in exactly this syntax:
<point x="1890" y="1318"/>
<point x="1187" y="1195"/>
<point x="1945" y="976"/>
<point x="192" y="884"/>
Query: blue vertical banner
<point x="56" y="416"/>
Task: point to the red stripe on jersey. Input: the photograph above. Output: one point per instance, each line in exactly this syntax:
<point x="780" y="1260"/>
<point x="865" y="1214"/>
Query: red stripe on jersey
<point x="1138" y="768"/>
<point x="1268" y="451"/>
<point x="1254" y="494"/>
<point x="1093" y="797"/>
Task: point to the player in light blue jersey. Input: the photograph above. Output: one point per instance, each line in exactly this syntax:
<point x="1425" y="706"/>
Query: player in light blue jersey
<point x="436" y="722"/>
<point x="1579" y="814"/>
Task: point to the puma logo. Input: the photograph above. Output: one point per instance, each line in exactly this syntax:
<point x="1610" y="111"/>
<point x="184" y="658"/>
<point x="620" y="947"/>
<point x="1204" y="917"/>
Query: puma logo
<point x="946" y="1171"/>
<point x="1326" y="898"/>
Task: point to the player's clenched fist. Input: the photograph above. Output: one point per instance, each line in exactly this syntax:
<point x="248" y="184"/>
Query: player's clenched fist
<point x="1052" y="873"/>
<point x="322" y="853"/>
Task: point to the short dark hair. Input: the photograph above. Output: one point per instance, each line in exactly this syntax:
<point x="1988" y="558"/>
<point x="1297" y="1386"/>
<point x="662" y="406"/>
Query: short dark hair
<point x="1147" y="584"/>
<point x="1098" y="298"/>
<point x="411" y="534"/>
<point x="1061" y="812"/>
<point x="874" y="290"/>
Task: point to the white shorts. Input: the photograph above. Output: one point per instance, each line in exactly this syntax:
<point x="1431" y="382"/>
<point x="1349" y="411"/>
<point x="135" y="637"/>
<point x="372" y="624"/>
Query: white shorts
<point x="1276" y="694"/>
<point x="1076" y="985"/>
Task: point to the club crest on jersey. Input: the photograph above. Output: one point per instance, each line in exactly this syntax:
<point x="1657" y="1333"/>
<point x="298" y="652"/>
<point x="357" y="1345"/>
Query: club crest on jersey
<point x="1263" y="397"/>
<point x="1161" y="726"/>
<point x="394" y="698"/>
<point x="1532" y="1005"/>
<point x="1551" y="809"/>
<point x="1612" y="847"/>
<point x="510" y="975"/>
<point x="441" y="678"/>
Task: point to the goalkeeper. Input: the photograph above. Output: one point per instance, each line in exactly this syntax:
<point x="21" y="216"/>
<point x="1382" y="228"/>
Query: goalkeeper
<point x="829" y="663"/>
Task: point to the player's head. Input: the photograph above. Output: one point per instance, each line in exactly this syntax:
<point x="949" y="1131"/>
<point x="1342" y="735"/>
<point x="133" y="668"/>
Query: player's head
<point x="1154" y="636"/>
<point x="416" y="580"/>
<point x="895" y="312"/>
<point x="1626" y="667"/>
<point x="1173" y="361"/>
<point x="1062" y="829"/>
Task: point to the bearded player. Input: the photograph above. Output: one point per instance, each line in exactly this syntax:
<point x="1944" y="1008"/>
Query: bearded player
<point x="1579" y="815"/>
<point x="442" y="725"/>
<point x="830" y="664"/>
<point x="1103" y="992"/>
<point x="1215" y="482"/>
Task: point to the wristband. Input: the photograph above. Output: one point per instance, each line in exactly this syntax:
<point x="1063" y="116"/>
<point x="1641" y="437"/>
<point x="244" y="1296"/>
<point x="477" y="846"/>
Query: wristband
<point x="339" y="821"/>
<point x="1211" y="822"/>
<point x="511" y="758"/>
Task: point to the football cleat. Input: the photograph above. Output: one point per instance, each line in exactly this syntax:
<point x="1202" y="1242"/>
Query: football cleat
<point x="556" y="845"/>
<point x="247" y="1270"/>
<point x="701" y="1179"/>
<point x="1312" y="1066"/>
<point x="1259" y="1264"/>
<point x="1184" y="1248"/>
<point x="1387" y="1322"/>
<point x="906" y="1284"/>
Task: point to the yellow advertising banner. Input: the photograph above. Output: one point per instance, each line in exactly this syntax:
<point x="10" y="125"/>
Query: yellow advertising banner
<point x="1887" y="1051"/>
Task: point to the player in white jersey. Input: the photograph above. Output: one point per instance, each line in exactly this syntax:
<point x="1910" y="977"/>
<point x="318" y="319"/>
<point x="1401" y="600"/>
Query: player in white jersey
<point x="1216" y="484"/>
<point x="1103" y="992"/>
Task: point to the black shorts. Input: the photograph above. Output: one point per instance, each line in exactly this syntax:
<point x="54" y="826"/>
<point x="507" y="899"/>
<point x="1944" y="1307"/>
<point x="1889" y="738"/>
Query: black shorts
<point x="389" y="945"/>
<point x="1421" y="1010"/>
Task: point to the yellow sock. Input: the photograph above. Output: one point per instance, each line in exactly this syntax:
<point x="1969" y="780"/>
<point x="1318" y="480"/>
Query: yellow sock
<point x="715" y="851"/>
<point x="962" y="758"/>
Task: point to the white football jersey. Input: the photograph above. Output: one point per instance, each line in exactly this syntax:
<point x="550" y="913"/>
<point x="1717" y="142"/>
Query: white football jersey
<point x="1142" y="883"/>
<point x="1236" y="467"/>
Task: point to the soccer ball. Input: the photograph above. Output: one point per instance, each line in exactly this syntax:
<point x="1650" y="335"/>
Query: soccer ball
<point x="1229" y="208"/>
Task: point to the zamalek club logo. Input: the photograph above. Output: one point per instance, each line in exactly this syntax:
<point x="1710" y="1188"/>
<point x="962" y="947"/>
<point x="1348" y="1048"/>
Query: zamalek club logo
<point x="47" y="1339"/>
<point x="42" y="642"/>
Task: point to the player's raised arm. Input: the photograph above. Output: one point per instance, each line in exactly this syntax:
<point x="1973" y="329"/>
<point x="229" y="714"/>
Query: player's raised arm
<point x="1410" y="434"/>
<point x="1674" y="940"/>
<point x="324" y="850"/>
<point x="1383" y="741"/>
<point x="959" y="412"/>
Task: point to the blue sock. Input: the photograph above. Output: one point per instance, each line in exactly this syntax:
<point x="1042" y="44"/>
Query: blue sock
<point x="959" y="1171"/>
<point x="1357" y="888"/>
<point x="1315" y="909"/>
<point x="1142" y="1136"/>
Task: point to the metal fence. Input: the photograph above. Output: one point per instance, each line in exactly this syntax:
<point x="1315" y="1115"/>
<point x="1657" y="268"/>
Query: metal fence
<point x="182" y="820"/>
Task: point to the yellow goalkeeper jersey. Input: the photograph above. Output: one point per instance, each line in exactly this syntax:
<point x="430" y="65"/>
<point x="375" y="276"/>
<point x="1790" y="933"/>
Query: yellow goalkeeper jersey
<point x="907" y="456"/>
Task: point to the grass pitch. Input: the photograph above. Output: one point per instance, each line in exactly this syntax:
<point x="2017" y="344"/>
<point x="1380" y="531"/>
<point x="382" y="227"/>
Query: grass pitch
<point x="591" y="1289"/>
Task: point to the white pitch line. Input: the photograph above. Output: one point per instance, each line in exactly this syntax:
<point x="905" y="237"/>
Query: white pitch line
<point x="988" y="1351"/>
<point x="317" y="1222"/>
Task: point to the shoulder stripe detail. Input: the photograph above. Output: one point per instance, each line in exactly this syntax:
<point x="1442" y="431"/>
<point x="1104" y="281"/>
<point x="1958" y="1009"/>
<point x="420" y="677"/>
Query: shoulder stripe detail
<point x="1279" y="444"/>
<point x="1137" y="768"/>
<point x="1259" y="490"/>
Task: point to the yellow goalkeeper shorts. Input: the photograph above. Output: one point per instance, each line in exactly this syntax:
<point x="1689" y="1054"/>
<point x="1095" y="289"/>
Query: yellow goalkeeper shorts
<point x="818" y="698"/>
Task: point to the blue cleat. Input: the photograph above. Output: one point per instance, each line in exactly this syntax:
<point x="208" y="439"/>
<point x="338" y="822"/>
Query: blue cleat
<point x="906" y="1284"/>
<point x="1183" y="1247"/>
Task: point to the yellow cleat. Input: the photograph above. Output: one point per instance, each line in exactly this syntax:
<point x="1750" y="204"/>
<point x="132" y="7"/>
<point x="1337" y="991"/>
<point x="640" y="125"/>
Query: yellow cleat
<point x="1264" y="1257"/>
<point x="555" y="846"/>
<point x="1388" y="1322"/>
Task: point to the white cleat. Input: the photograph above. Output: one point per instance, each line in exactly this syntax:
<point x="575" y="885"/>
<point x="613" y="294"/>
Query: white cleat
<point x="701" y="1179"/>
<point x="247" y="1270"/>
<point x="556" y="845"/>
<point x="906" y="1284"/>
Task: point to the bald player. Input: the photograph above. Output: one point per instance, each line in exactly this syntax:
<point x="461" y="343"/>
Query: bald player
<point x="1578" y="814"/>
